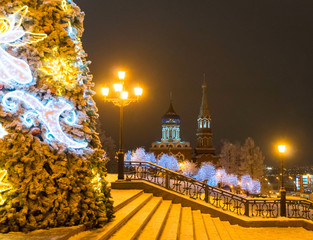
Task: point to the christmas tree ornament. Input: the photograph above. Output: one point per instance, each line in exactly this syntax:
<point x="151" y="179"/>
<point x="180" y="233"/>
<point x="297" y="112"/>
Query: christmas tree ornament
<point x="12" y="34"/>
<point x="36" y="132"/>
<point x="49" y="114"/>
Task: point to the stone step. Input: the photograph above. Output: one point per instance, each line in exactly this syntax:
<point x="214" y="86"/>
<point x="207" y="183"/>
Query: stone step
<point x="121" y="217"/>
<point x="222" y="231"/>
<point x="134" y="226"/>
<point x="186" y="225"/>
<point x="210" y="227"/>
<point x="153" y="229"/>
<point x="122" y="198"/>
<point x="232" y="231"/>
<point x="200" y="231"/>
<point x="172" y="225"/>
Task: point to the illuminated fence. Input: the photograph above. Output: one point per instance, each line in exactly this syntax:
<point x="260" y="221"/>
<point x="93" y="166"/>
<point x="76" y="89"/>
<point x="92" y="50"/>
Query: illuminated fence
<point x="252" y="207"/>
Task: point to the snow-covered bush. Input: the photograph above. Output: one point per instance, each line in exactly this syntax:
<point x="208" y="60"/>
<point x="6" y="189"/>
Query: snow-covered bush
<point x="221" y="176"/>
<point x="207" y="173"/>
<point x="246" y="182"/>
<point x="255" y="187"/>
<point x="188" y="168"/>
<point x="139" y="155"/>
<point x="232" y="180"/>
<point x="128" y="156"/>
<point x="150" y="158"/>
<point x="169" y="162"/>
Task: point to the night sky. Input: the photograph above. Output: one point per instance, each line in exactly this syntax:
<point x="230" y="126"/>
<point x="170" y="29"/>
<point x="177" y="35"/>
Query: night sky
<point x="257" y="57"/>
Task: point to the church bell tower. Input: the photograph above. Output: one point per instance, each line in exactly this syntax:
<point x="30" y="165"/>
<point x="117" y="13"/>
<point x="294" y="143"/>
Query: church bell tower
<point x="205" y="152"/>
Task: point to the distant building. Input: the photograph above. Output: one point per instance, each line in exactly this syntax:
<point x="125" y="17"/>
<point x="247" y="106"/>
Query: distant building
<point x="171" y="142"/>
<point x="304" y="183"/>
<point x="204" y="151"/>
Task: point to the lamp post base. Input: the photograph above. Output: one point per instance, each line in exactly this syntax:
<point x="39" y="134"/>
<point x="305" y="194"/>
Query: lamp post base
<point x="282" y="202"/>
<point x="120" y="169"/>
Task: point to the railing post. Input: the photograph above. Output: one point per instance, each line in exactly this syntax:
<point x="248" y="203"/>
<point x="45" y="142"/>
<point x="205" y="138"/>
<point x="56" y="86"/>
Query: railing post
<point x="167" y="180"/>
<point x="247" y="208"/>
<point x="206" y="193"/>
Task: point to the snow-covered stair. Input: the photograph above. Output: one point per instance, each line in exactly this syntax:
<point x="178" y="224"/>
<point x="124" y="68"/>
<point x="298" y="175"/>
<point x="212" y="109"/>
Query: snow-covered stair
<point x="145" y="217"/>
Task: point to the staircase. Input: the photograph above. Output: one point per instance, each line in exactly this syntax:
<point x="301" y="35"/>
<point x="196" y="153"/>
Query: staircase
<point x="142" y="216"/>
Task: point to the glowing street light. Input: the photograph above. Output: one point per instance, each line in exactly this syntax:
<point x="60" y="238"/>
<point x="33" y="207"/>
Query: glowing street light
<point x="121" y="99"/>
<point x="282" y="150"/>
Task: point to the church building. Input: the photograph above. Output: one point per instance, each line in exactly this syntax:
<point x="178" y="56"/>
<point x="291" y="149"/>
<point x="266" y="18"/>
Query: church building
<point x="171" y="142"/>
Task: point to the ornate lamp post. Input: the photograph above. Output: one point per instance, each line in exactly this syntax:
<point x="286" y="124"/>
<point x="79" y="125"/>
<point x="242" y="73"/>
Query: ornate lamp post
<point x="121" y="99"/>
<point x="282" y="150"/>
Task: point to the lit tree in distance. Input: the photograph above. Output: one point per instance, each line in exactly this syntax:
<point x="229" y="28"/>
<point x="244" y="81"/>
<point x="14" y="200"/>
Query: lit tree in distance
<point x="51" y="163"/>
<point x="242" y="159"/>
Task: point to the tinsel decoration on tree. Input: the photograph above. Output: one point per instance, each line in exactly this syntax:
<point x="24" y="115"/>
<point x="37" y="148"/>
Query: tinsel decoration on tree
<point x="52" y="167"/>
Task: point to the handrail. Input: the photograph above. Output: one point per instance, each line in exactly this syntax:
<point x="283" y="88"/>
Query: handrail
<point x="220" y="198"/>
<point x="186" y="177"/>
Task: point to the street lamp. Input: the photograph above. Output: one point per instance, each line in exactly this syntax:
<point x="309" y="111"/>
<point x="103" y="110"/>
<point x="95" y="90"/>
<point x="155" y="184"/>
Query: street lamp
<point x="282" y="150"/>
<point x="121" y="99"/>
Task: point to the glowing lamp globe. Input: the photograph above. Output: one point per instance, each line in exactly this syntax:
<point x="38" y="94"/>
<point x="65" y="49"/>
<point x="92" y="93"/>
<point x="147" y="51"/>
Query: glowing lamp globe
<point x="105" y="91"/>
<point x="281" y="148"/>
<point x="118" y="87"/>
<point x="124" y="95"/>
<point x="121" y="75"/>
<point x="138" y="91"/>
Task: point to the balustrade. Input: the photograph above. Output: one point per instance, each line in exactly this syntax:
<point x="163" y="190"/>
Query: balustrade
<point x="228" y="201"/>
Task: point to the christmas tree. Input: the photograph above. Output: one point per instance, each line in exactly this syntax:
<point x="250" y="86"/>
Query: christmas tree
<point x="52" y="167"/>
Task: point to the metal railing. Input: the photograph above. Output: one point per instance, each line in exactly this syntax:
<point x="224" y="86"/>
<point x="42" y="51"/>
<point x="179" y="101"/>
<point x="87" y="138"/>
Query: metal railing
<point x="252" y="207"/>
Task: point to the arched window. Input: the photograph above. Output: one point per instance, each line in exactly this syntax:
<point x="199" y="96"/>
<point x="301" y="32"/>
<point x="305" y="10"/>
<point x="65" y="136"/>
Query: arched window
<point x="200" y="141"/>
<point x="204" y="123"/>
<point x="180" y="156"/>
<point x="205" y="141"/>
<point x="200" y="123"/>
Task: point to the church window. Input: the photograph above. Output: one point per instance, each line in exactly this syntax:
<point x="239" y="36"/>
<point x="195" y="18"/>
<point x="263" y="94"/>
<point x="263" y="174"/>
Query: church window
<point x="204" y="123"/>
<point x="205" y="141"/>
<point x="180" y="156"/>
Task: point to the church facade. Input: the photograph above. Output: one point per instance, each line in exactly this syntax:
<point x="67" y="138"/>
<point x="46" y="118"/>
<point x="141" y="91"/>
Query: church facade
<point x="172" y="144"/>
